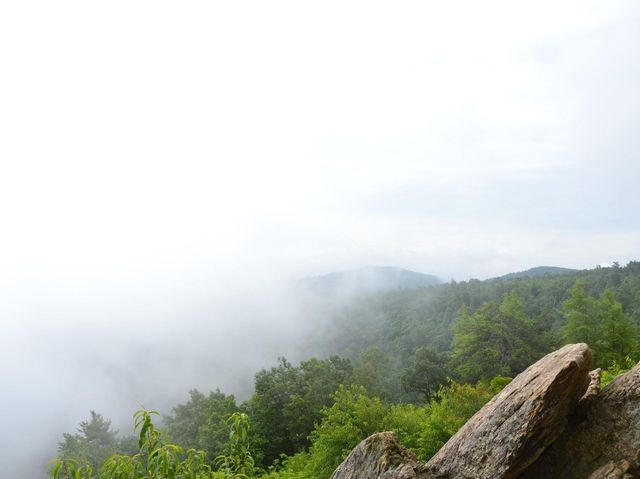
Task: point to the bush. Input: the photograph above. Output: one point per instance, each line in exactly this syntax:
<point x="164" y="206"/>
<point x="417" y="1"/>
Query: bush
<point x="452" y="407"/>
<point x="353" y="416"/>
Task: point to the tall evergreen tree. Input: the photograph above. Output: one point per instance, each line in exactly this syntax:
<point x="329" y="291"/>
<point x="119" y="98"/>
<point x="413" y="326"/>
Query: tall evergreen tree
<point x="618" y="334"/>
<point x="581" y="313"/>
<point x="497" y="340"/>
<point x="93" y="443"/>
<point x="476" y="344"/>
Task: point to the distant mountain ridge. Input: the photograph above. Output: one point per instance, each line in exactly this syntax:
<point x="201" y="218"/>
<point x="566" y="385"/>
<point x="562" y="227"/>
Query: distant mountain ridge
<point x="538" y="271"/>
<point x="375" y="279"/>
<point x="370" y="279"/>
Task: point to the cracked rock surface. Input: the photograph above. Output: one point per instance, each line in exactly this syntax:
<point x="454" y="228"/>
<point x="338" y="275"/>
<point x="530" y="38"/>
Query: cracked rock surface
<point x="380" y="456"/>
<point x="513" y="429"/>
<point x="552" y="421"/>
<point x="605" y="443"/>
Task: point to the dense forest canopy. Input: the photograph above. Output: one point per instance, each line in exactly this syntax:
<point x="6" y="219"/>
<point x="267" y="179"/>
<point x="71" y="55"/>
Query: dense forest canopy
<point x="419" y="362"/>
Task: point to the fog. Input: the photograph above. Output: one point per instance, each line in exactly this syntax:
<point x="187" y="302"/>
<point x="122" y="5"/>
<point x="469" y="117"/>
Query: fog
<point x="168" y="171"/>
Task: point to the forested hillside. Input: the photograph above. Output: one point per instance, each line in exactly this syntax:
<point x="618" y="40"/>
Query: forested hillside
<point x="398" y="323"/>
<point x="418" y="362"/>
<point x="538" y="271"/>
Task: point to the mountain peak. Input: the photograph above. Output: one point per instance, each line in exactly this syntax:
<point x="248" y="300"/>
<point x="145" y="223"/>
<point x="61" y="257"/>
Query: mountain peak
<point x="538" y="271"/>
<point x="369" y="279"/>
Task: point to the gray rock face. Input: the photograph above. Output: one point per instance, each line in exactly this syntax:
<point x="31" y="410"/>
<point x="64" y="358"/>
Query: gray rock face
<point x="514" y="428"/>
<point x="592" y="393"/>
<point x="595" y="378"/>
<point x="603" y="444"/>
<point x="552" y="421"/>
<point x="380" y="456"/>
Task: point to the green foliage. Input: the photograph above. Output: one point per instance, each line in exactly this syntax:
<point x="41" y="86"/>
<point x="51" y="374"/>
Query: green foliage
<point x="452" y="407"/>
<point x="498" y="383"/>
<point x="407" y="421"/>
<point x="426" y="374"/>
<point x="400" y="322"/>
<point x="306" y="418"/>
<point x="154" y="460"/>
<point x="498" y="339"/>
<point x="320" y="380"/>
<point x="581" y="313"/>
<point x="292" y="467"/>
<point x="201" y="423"/>
<point x="618" y="334"/>
<point x="616" y="369"/>
<point x="71" y="469"/>
<point x="269" y="409"/>
<point x="373" y="372"/>
<point x="602" y="324"/>
<point x="92" y="444"/>
<point x="238" y="463"/>
<point x="287" y="404"/>
<point x="353" y="416"/>
<point x="356" y="415"/>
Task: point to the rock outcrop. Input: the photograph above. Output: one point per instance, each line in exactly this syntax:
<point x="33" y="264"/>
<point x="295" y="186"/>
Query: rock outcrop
<point x="592" y="392"/>
<point x="380" y="456"/>
<point x="514" y="428"/>
<point x="605" y="443"/>
<point x="552" y="421"/>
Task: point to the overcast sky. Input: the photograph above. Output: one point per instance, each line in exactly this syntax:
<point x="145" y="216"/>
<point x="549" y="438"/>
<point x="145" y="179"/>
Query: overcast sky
<point x="159" y="159"/>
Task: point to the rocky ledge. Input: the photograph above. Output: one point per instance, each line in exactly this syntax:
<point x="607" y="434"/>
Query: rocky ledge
<point x="551" y="421"/>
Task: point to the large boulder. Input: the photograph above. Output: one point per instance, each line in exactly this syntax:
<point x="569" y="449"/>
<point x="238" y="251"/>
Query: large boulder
<point x="380" y="456"/>
<point x="511" y="431"/>
<point x="605" y="443"/>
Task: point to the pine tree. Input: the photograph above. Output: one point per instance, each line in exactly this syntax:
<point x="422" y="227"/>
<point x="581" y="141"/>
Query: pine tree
<point x="581" y="313"/>
<point x="94" y="442"/>
<point x="618" y="334"/>
<point x="497" y="340"/>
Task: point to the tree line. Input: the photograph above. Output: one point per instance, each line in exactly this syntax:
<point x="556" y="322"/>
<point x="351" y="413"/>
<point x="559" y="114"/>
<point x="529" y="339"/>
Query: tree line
<point x="303" y="419"/>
